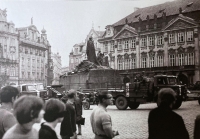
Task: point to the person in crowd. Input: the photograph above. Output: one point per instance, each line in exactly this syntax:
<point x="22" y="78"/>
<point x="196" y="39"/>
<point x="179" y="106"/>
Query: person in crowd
<point x="54" y="113"/>
<point x="197" y="127"/>
<point x="28" y="110"/>
<point x="8" y="95"/>
<point x="79" y="111"/>
<point x="68" y="125"/>
<point x="163" y="123"/>
<point x="101" y="120"/>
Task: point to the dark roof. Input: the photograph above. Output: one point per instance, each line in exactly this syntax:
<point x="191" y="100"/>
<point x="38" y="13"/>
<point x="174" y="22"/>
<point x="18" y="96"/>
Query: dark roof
<point x="170" y="8"/>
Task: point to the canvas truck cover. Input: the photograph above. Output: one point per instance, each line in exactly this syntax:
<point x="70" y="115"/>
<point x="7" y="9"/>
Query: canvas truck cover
<point x="94" y="79"/>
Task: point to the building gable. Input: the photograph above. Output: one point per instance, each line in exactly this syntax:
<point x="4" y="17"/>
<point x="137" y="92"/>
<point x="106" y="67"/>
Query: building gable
<point x="125" y="33"/>
<point x="181" y="22"/>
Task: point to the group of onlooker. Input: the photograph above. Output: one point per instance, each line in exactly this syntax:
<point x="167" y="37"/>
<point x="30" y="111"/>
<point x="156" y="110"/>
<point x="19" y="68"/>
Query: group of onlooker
<point x="18" y="115"/>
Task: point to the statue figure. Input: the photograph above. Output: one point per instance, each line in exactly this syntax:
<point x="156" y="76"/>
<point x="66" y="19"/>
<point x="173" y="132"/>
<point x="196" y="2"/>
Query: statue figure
<point x="90" y="51"/>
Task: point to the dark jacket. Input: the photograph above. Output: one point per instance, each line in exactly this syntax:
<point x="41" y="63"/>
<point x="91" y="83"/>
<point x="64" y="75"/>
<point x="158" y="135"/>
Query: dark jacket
<point x="197" y="127"/>
<point x="46" y="132"/>
<point x="78" y="106"/>
<point x="68" y="125"/>
<point x="165" y="124"/>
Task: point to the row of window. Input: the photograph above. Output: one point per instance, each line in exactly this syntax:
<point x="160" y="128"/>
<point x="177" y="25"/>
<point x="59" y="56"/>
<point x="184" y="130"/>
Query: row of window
<point x="33" y="75"/>
<point x="150" y="40"/>
<point x="33" y="51"/>
<point x="174" y="60"/>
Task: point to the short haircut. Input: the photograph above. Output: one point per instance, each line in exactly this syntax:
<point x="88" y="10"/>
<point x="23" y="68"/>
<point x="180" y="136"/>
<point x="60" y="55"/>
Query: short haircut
<point x="27" y="107"/>
<point x="166" y="96"/>
<point x="101" y="95"/>
<point x="7" y="93"/>
<point x="71" y="93"/>
<point x="54" y="109"/>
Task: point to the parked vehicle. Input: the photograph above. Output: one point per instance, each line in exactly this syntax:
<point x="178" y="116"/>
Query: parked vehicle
<point x="55" y="91"/>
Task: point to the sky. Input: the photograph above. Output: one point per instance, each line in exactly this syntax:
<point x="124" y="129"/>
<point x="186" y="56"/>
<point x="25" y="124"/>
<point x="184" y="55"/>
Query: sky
<point x="69" y="22"/>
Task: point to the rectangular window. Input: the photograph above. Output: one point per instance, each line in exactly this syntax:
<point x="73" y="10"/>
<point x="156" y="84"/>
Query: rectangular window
<point x="29" y="63"/>
<point x="152" y="61"/>
<point x="144" y="62"/>
<point x="171" y="38"/>
<point x="151" y="40"/>
<point x="112" y="46"/>
<point x="144" y="42"/>
<point x="133" y="43"/>
<point x="76" y="50"/>
<point x="133" y="63"/>
<point x="127" y="64"/>
<point x="5" y="48"/>
<point x="160" y="40"/>
<point x="190" y="59"/>
<point x="180" y="37"/>
<point x="172" y="60"/>
<point x="160" y="61"/>
<point x="105" y="47"/>
<point x="126" y="44"/>
<point x="181" y="59"/>
<point x="190" y="36"/>
<point x="119" y="45"/>
<point x="120" y="66"/>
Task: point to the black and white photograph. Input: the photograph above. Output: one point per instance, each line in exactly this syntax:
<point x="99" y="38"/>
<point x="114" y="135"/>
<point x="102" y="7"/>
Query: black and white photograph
<point x="100" y="69"/>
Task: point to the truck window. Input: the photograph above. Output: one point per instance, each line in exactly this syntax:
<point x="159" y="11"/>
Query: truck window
<point x="31" y="88"/>
<point x="172" y="80"/>
<point x="161" y="81"/>
<point x="23" y="88"/>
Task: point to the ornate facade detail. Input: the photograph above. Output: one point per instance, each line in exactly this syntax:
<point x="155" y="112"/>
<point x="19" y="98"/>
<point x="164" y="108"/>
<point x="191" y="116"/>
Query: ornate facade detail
<point x="171" y="51"/>
<point x="144" y="54"/>
<point x="151" y="53"/>
<point x="160" y="52"/>
<point x="181" y="50"/>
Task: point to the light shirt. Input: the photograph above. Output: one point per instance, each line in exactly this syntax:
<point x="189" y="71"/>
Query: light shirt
<point x="98" y="119"/>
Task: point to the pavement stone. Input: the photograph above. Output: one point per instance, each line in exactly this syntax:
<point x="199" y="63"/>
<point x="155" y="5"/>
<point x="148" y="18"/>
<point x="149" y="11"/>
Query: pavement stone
<point x="132" y="124"/>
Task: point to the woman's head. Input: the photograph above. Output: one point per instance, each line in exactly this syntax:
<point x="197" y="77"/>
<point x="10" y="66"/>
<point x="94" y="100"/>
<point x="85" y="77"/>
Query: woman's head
<point x="54" y="109"/>
<point x="28" y="109"/>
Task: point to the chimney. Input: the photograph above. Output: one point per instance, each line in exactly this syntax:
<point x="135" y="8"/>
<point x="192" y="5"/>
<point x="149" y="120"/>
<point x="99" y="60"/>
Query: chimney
<point x="136" y="8"/>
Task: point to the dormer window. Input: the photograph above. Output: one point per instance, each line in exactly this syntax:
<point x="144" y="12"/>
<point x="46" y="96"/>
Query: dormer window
<point x="108" y="31"/>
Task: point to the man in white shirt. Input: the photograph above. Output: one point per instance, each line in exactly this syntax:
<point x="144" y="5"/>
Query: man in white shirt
<point x="100" y="120"/>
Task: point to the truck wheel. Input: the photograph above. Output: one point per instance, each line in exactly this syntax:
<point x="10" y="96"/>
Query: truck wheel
<point x="86" y="105"/>
<point x="121" y="103"/>
<point x="199" y="100"/>
<point x="177" y="103"/>
<point x="134" y="105"/>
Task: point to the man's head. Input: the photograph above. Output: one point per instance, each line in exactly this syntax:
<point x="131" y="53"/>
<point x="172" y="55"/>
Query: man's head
<point x="54" y="109"/>
<point x="105" y="98"/>
<point x="166" y="96"/>
<point x="8" y="94"/>
<point x="71" y="94"/>
<point x="28" y="109"/>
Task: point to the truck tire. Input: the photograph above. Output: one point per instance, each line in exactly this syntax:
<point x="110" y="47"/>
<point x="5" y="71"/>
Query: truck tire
<point x="177" y="103"/>
<point x="121" y="103"/>
<point x="86" y="105"/>
<point x="199" y="100"/>
<point x="134" y="105"/>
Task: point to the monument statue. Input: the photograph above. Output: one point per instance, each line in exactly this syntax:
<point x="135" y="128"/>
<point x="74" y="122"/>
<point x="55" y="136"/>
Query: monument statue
<point x="90" y="51"/>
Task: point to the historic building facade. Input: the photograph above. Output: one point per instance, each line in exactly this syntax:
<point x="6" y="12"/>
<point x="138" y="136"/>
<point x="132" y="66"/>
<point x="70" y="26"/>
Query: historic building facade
<point x="57" y="68"/>
<point x="32" y="55"/>
<point x="9" y="69"/>
<point x="158" y="39"/>
<point x="78" y="53"/>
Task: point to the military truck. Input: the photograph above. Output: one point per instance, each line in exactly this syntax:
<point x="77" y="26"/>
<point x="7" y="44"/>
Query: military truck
<point x="140" y="92"/>
<point x="126" y="95"/>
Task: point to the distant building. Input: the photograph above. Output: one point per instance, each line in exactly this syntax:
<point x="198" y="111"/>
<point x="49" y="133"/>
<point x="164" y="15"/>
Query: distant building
<point x="9" y="53"/>
<point x="57" y="68"/>
<point x="78" y="52"/>
<point x="158" y="39"/>
<point x="64" y="70"/>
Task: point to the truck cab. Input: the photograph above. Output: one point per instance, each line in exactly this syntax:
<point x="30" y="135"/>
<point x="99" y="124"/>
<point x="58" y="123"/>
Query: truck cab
<point x="41" y="92"/>
<point x="27" y="89"/>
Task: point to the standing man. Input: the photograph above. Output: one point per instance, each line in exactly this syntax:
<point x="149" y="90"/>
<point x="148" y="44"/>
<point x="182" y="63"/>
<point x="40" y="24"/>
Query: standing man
<point x="8" y="95"/>
<point x="68" y="125"/>
<point x="100" y="120"/>
<point x="163" y="122"/>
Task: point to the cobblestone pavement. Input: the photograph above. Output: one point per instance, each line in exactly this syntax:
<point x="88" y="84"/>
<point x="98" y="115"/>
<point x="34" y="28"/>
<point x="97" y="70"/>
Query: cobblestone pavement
<point x="132" y="124"/>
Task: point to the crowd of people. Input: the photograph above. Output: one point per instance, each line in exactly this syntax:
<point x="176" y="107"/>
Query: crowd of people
<point x="19" y="114"/>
